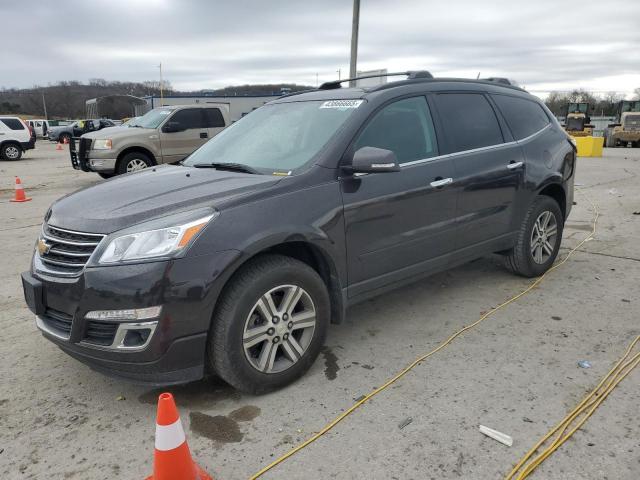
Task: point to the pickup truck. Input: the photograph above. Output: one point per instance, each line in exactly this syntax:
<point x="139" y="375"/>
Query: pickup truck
<point x="78" y="128"/>
<point x="163" y="135"/>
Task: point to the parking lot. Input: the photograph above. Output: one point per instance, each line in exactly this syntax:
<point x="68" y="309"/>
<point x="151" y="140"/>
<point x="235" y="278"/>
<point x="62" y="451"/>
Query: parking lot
<point x="516" y="372"/>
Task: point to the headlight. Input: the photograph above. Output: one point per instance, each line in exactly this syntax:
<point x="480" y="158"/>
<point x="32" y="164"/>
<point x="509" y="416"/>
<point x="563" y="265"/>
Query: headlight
<point x="153" y="243"/>
<point x="102" y="144"/>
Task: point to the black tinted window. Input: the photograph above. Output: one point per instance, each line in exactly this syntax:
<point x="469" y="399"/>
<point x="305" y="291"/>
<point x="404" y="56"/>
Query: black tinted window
<point x="213" y="118"/>
<point x="405" y="128"/>
<point x="523" y="116"/>
<point x="189" y="118"/>
<point x="469" y="120"/>
<point x="12" y="123"/>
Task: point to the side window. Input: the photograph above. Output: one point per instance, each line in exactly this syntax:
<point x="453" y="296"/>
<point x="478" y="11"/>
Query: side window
<point x="12" y="123"/>
<point x="469" y="120"/>
<point x="524" y="117"/>
<point x="404" y="127"/>
<point x="214" y="118"/>
<point x="189" y="118"/>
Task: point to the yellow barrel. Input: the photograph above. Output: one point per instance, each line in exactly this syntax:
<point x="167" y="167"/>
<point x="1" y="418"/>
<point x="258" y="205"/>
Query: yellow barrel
<point x="589" y="146"/>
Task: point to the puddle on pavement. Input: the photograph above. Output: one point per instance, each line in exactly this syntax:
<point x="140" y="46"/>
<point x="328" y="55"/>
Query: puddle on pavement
<point x="245" y="414"/>
<point x="219" y="428"/>
<point x="330" y="363"/>
<point x="201" y="394"/>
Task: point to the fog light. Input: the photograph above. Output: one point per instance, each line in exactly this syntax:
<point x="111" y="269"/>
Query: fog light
<point x="125" y="315"/>
<point x="96" y="163"/>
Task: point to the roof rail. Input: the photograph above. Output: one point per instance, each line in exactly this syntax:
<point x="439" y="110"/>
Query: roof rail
<point x="411" y="75"/>
<point x="504" y="81"/>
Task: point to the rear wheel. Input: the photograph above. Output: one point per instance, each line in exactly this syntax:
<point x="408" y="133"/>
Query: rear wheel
<point x="538" y="240"/>
<point x="132" y="162"/>
<point x="11" y="151"/>
<point x="269" y="325"/>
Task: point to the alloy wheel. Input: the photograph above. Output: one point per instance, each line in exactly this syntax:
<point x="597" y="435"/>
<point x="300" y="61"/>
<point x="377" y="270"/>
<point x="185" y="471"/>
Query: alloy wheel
<point x="12" y="152"/>
<point x="136" y="164"/>
<point x="279" y="329"/>
<point x="544" y="237"/>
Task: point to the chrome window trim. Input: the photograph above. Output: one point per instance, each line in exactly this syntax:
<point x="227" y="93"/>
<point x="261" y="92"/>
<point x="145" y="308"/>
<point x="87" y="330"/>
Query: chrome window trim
<point x="474" y="150"/>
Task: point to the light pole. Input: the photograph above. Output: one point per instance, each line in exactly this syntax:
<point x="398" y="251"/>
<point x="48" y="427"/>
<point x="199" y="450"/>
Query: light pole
<point x="354" y="42"/>
<point x="161" y="92"/>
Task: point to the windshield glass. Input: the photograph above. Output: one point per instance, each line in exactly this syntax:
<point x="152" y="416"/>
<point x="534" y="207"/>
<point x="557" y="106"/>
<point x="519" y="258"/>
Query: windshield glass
<point x="277" y="138"/>
<point x="153" y="118"/>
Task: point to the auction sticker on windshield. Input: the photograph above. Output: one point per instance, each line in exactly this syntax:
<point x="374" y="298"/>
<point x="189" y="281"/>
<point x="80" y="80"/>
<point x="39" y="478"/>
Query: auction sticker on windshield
<point x="341" y="104"/>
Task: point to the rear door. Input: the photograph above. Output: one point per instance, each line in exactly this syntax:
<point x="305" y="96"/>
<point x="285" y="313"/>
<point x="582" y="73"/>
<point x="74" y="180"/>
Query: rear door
<point x="399" y="224"/>
<point x="214" y="121"/>
<point x="177" y="145"/>
<point x="489" y="168"/>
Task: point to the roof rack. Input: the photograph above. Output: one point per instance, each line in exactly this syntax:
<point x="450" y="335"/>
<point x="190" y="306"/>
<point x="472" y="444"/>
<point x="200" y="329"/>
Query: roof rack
<point x="504" y="81"/>
<point x="411" y="75"/>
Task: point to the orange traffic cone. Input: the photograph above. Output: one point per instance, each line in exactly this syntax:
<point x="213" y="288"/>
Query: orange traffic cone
<point x="19" y="195"/>
<point x="58" y="146"/>
<point x="172" y="458"/>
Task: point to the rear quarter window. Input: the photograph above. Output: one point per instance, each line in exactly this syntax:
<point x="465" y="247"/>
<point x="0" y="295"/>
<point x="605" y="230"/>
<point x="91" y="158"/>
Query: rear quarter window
<point x="469" y="120"/>
<point x="525" y="117"/>
<point x="214" y="118"/>
<point x="12" y="123"/>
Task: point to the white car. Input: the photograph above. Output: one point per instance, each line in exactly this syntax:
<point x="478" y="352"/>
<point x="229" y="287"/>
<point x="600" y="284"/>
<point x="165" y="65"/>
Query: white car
<point x="15" y="138"/>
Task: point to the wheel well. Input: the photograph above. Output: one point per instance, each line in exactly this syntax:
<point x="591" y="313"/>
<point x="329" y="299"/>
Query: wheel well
<point x="138" y="150"/>
<point x="556" y="192"/>
<point x="316" y="259"/>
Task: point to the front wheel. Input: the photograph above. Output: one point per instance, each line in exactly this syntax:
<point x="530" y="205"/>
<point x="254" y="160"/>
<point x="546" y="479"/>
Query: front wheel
<point x="269" y="325"/>
<point x="132" y="162"/>
<point x="538" y="240"/>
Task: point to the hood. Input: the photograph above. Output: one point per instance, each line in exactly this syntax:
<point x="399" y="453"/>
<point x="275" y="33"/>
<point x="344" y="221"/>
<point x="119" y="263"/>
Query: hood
<point x="130" y="199"/>
<point x="119" y="132"/>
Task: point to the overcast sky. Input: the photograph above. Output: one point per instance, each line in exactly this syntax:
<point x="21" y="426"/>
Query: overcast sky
<point x="543" y="44"/>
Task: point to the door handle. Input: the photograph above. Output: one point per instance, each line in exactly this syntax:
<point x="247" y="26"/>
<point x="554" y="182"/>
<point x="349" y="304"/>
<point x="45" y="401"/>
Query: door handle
<point x="514" y="165"/>
<point x="203" y="135"/>
<point x="441" y="182"/>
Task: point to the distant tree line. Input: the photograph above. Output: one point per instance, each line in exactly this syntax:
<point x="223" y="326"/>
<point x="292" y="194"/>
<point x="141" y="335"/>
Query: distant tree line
<point x="67" y="99"/>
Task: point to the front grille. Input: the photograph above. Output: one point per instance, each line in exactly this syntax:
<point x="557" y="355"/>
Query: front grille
<point x="100" y="333"/>
<point x="58" y="321"/>
<point x="68" y="251"/>
<point x="632" y="122"/>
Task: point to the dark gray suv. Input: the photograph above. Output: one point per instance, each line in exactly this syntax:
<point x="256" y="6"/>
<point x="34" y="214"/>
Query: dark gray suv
<point x="236" y="261"/>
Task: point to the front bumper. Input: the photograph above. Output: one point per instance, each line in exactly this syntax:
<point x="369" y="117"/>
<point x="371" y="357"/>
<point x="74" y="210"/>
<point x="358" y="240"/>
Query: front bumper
<point x="187" y="289"/>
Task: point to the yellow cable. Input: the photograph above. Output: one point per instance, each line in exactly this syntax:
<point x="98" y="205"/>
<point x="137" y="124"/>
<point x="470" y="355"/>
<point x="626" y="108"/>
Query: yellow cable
<point x="421" y="358"/>
<point x="591" y="402"/>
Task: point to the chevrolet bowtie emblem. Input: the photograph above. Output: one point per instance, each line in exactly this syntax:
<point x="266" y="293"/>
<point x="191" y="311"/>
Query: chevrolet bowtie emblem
<point x="43" y="247"/>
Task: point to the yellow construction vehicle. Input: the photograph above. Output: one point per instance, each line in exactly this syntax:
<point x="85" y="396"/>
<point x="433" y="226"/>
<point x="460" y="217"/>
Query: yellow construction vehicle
<point x="626" y="130"/>
<point x="577" y="121"/>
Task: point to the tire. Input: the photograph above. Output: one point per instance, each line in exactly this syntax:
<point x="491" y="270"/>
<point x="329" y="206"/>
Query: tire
<point x="63" y="137"/>
<point x="11" y="152"/>
<point x="520" y="260"/>
<point x="133" y="162"/>
<point x="105" y="175"/>
<point x="238" y="312"/>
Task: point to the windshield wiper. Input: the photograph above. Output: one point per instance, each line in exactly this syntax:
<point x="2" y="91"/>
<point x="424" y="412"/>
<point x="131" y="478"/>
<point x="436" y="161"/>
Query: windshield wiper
<point x="238" y="167"/>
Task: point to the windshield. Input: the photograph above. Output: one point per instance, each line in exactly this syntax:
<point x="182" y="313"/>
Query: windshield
<point x="277" y="138"/>
<point x="153" y="118"/>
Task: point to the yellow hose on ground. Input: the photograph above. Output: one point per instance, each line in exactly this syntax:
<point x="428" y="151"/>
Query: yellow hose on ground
<point x="423" y="357"/>
<point x="582" y="412"/>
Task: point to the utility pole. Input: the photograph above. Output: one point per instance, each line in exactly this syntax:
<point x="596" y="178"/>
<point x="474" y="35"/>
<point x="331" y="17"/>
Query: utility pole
<point x="161" y="91"/>
<point x="44" y="105"/>
<point x="354" y="42"/>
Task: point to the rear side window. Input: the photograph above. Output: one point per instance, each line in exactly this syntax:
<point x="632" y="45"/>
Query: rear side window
<point x="523" y="116"/>
<point x="213" y="117"/>
<point x="405" y="128"/>
<point x="469" y="120"/>
<point x="12" y="123"/>
<point x="189" y="118"/>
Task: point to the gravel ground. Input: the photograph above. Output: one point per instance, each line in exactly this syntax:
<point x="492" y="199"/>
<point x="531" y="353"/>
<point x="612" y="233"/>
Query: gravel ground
<point x="517" y="372"/>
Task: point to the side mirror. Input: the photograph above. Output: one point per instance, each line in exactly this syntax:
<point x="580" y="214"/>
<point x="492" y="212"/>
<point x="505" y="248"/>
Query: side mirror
<point x="173" y="127"/>
<point x="373" y="160"/>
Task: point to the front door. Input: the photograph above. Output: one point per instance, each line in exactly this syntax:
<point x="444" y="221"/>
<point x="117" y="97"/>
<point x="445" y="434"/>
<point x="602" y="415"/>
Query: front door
<point x="194" y="133"/>
<point x="399" y="224"/>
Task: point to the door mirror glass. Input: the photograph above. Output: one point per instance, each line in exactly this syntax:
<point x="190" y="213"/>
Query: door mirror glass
<point x="172" y="127"/>
<point x="373" y="160"/>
